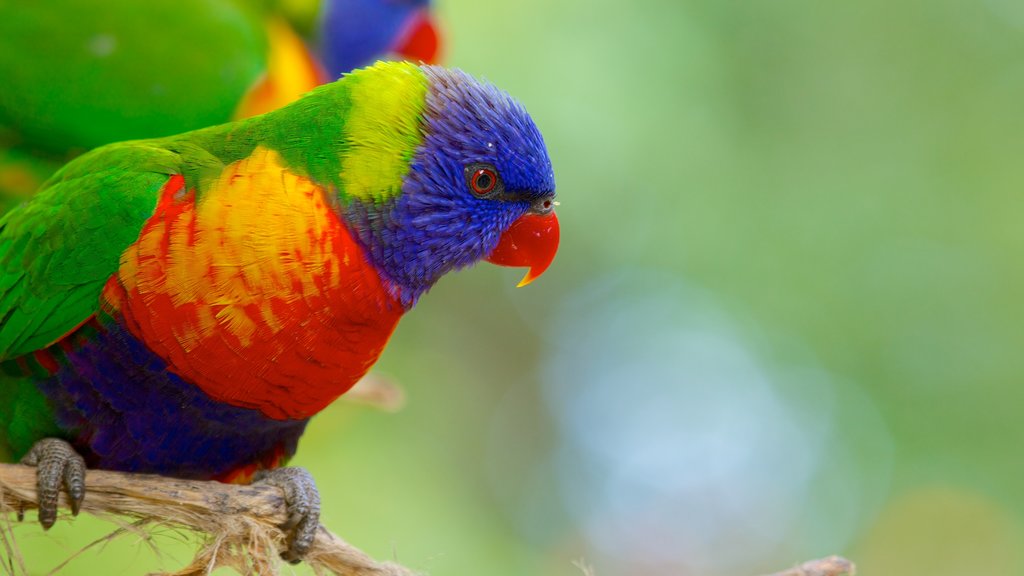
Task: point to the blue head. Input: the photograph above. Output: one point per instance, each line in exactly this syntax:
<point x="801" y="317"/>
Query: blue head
<point x="479" y="177"/>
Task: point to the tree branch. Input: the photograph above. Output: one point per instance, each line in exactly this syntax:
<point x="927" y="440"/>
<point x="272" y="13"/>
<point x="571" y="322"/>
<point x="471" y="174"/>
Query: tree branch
<point x="376" y="391"/>
<point x="831" y="566"/>
<point x="241" y="522"/>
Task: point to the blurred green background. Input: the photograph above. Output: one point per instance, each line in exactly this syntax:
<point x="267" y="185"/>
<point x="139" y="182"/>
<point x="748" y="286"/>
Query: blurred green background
<point x="785" y="320"/>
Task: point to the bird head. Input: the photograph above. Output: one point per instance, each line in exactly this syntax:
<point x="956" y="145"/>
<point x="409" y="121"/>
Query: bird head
<point x="440" y="171"/>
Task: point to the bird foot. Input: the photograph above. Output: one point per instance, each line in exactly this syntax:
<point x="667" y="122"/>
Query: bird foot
<point x="57" y="464"/>
<point x="303" y="502"/>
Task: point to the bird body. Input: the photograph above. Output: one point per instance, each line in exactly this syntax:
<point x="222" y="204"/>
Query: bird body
<point x="184" y="305"/>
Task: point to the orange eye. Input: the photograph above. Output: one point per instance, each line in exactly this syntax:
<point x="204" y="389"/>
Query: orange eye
<point x="483" y="181"/>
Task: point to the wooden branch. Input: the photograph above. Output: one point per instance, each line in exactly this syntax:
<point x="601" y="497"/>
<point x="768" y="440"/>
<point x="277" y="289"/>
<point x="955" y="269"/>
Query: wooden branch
<point x="241" y="522"/>
<point x="831" y="566"/>
<point x="376" y="391"/>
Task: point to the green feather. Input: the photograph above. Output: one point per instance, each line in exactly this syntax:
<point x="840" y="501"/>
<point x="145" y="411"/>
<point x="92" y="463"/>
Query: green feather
<point x="24" y="417"/>
<point x="57" y="251"/>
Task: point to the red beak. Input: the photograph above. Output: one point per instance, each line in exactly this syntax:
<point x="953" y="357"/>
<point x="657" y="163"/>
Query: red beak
<point x="419" y="42"/>
<point x="531" y="241"/>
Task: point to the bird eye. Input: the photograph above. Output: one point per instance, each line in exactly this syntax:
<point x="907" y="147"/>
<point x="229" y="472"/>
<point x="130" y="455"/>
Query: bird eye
<point x="482" y="181"/>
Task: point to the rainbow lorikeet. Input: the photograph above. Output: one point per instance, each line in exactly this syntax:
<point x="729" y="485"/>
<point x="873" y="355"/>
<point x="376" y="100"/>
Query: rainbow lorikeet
<point x="184" y="305"/>
<point x="350" y="32"/>
<point x="147" y="69"/>
<point x="81" y="73"/>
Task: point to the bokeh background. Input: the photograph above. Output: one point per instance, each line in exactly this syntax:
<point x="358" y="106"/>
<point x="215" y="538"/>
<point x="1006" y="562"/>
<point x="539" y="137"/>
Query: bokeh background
<point x="785" y="321"/>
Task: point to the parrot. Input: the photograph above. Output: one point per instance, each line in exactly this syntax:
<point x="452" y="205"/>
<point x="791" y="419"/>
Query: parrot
<point x="184" y="305"/>
<point x="347" y="34"/>
<point x="138" y="69"/>
<point x="350" y="32"/>
<point x="112" y="71"/>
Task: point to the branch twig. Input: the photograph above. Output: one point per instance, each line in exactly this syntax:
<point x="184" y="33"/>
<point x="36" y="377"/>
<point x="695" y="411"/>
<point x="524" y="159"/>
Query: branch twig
<point x="378" y="392"/>
<point x="831" y="566"/>
<point x="241" y="521"/>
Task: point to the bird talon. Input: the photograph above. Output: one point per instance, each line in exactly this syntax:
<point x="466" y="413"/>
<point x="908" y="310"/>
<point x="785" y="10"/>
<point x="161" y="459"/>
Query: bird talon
<point x="303" y="502"/>
<point x="57" y="464"/>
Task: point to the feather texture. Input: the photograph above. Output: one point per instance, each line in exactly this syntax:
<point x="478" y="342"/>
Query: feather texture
<point x="257" y="292"/>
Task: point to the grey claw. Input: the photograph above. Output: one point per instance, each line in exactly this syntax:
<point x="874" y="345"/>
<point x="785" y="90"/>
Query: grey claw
<point x="303" y="502"/>
<point x="57" y="464"/>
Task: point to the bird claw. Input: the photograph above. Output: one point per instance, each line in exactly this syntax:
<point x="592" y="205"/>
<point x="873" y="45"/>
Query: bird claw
<point x="303" y="502"/>
<point x="57" y="464"/>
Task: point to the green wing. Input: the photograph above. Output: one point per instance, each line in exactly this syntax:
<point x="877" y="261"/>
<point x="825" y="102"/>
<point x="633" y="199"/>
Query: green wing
<point x="58" y="250"/>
